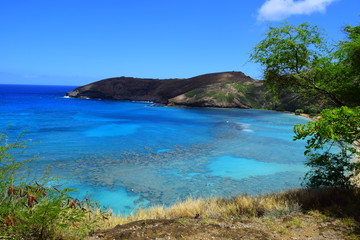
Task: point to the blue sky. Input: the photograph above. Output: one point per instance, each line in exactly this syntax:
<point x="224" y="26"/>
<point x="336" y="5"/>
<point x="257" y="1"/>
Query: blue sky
<point x="74" y="42"/>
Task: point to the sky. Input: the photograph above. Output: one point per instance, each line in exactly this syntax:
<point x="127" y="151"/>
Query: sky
<point x="75" y="42"/>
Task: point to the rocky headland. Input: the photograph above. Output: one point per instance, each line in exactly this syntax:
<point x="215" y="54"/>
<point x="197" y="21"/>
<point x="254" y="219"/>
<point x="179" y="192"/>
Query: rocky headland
<point x="225" y="89"/>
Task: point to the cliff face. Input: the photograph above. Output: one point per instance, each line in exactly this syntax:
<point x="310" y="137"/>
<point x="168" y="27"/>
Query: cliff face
<point x="226" y="89"/>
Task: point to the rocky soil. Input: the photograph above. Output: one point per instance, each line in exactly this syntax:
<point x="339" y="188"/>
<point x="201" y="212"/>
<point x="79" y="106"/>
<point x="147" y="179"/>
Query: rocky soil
<point x="296" y="226"/>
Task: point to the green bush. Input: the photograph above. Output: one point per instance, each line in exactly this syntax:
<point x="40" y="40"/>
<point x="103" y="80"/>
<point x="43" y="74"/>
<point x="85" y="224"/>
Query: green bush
<point x="30" y="210"/>
<point x="330" y="147"/>
<point x="312" y="109"/>
<point x="329" y="169"/>
<point x="299" y="111"/>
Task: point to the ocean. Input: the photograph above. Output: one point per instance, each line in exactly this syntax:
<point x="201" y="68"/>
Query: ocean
<point x="127" y="155"/>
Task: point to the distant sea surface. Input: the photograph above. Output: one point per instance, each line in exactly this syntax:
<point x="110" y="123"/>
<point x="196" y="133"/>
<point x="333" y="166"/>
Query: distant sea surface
<point x="127" y="154"/>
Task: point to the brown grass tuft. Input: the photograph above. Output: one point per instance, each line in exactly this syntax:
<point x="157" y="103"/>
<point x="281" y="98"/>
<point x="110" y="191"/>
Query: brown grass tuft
<point x="331" y="201"/>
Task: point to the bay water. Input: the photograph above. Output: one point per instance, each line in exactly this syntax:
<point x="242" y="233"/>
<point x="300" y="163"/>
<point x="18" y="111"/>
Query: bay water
<point x="128" y="155"/>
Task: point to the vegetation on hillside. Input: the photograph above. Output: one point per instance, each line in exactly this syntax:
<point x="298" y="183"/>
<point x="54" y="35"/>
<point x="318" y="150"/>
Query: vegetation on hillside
<point x="226" y="94"/>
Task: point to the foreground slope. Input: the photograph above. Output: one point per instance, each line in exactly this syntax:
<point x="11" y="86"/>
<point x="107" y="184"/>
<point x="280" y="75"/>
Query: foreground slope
<point x="321" y="214"/>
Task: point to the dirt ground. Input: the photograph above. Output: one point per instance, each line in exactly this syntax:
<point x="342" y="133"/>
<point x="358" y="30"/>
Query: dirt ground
<point x="296" y="226"/>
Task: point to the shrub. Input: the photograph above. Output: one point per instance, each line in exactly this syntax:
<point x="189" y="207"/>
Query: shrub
<point x="299" y="111"/>
<point x="330" y="169"/>
<point x="30" y="210"/>
<point x="330" y="147"/>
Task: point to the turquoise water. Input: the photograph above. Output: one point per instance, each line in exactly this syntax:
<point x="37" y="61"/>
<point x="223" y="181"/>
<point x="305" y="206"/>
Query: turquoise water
<point x="128" y="155"/>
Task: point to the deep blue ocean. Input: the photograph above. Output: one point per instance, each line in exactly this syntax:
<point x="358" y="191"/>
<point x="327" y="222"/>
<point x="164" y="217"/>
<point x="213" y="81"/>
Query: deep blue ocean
<point x="128" y="154"/>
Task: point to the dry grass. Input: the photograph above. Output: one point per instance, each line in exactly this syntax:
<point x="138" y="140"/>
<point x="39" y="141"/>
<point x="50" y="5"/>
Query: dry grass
<point x="335" y="202"/>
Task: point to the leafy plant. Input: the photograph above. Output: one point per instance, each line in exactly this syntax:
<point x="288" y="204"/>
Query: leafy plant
<point x="329" y="169"/>
<point x="30" y="210"/>
<point x="299" y="111"/>
<point x="336" y="131"/>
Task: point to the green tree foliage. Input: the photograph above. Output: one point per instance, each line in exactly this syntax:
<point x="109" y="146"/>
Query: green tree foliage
<point x="298" y="58"/>
<point x="33" y="210"/>
<point x="347" y="66"/>
<point x="330" y="147"/>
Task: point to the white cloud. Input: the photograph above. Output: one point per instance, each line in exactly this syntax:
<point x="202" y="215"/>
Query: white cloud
<point x="275" y="10"/>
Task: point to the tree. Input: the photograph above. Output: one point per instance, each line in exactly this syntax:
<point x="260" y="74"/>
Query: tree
<point x="330" y="147"/>
<point x="300" y="60"/>
<point x="347" y="66"/>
